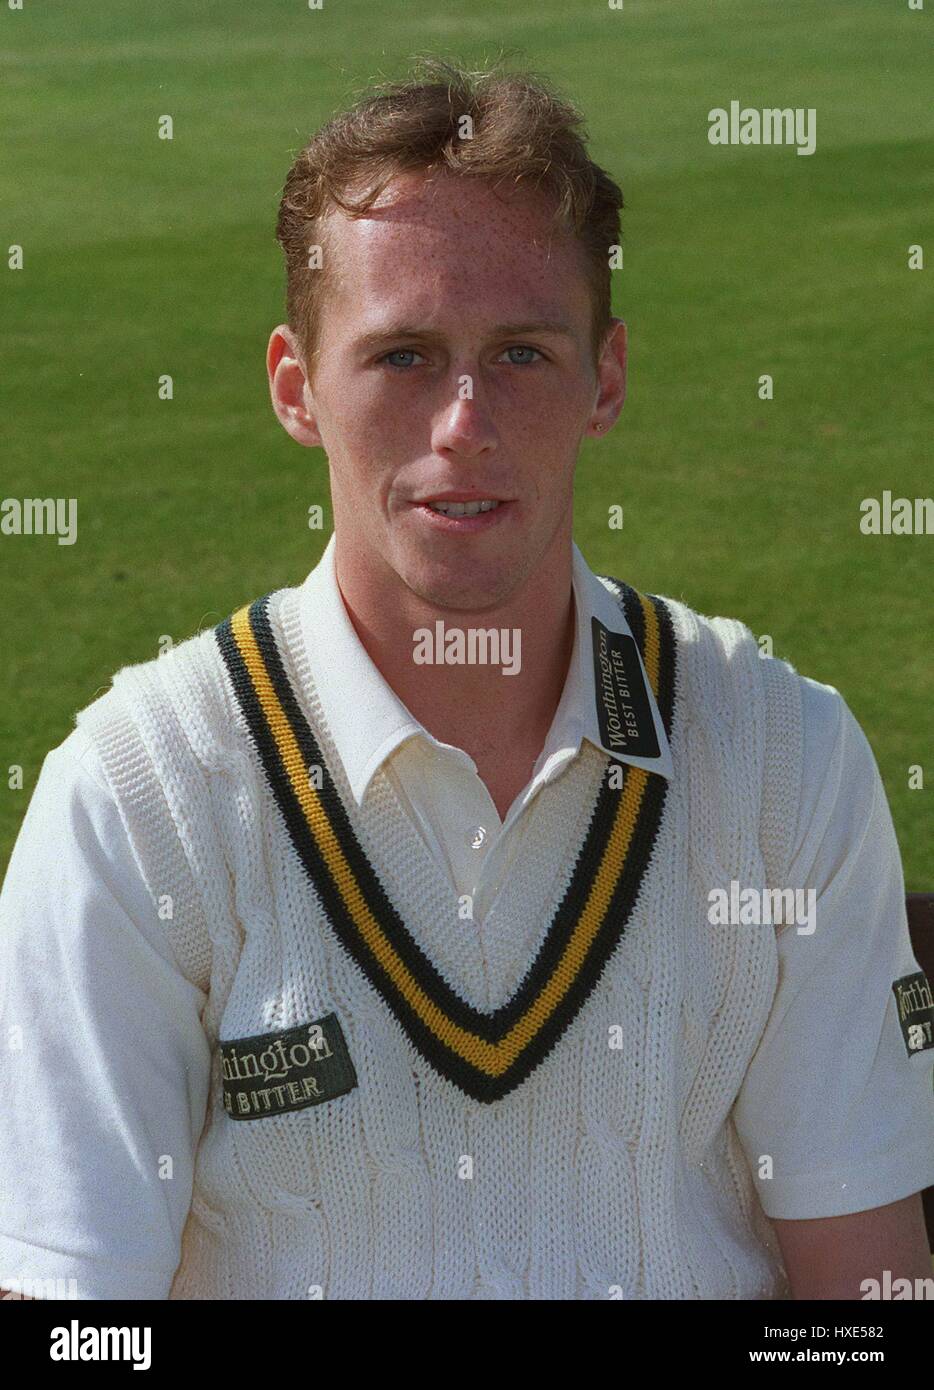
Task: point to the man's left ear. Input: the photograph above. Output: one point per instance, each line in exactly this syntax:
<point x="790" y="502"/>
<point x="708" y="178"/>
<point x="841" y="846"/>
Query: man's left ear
<point x="611" y="379"/>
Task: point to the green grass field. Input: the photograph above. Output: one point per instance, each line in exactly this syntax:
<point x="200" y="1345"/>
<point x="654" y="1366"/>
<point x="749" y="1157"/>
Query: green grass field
<point x="145" y="256"/>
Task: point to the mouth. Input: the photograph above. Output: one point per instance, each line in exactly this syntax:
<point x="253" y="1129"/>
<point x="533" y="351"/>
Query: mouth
<point x="463" y="514"/>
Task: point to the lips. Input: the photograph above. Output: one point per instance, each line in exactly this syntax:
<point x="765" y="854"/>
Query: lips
<point x="463" y="514"/>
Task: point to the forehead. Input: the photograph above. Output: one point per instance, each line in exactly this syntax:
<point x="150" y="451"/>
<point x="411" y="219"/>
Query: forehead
<point x="446" y="242"/>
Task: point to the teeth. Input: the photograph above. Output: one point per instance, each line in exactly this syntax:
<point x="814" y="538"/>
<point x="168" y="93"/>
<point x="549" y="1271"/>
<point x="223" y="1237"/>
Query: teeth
<point x="462" y="508"/>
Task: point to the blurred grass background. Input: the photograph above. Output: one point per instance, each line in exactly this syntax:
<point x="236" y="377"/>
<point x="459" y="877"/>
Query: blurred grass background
<point x="145" y="256"/>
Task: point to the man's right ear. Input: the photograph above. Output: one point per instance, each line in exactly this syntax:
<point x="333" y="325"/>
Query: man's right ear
<point x="288" y="387"/>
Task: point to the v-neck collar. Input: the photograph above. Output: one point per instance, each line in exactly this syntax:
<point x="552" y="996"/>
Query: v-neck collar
<point x="486" y="1054"/>
<point x="367" y="730"/>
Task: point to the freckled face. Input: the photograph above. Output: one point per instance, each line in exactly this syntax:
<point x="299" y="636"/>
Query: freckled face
<point x="454" y="357"/>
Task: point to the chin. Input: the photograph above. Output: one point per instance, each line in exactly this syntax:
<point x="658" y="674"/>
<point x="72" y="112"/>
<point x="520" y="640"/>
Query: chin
<point x="481" y="586"/>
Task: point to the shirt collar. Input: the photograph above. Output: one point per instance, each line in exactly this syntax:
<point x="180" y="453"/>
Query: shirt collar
<point x="368" y="728"/>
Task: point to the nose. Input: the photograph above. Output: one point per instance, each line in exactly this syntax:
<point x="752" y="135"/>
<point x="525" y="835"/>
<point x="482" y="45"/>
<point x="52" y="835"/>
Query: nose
<point x="465" y="426"/>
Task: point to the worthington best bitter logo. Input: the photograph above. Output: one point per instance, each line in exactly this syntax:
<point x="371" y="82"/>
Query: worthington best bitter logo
<point x="623" y="710"/>
<point x="273" y="1073"/>
<point x="915" y="1004"/>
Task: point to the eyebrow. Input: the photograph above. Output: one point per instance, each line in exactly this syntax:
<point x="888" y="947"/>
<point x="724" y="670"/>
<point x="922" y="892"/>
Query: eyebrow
<point x="555" y="327"/>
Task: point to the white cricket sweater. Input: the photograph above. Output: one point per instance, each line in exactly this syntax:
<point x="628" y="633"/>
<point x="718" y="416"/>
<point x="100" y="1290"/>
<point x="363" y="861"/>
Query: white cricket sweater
<point x="610" y="1171"/>
<point x="620" y="1165"/>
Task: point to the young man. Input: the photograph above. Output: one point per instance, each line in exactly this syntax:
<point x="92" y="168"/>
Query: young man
<point x="344" y="972"/>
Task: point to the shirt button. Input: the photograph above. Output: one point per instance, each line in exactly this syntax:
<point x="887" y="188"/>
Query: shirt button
<point x="477" y="836"/>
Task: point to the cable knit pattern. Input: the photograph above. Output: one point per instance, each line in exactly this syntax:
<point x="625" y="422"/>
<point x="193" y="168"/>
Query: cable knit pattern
<point x="612" y="1171"/>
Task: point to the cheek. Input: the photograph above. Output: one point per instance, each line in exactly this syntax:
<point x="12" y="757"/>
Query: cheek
<point x="364" y="419"/>
<point x="547" y="416"/>
<point x="554" y="395"/>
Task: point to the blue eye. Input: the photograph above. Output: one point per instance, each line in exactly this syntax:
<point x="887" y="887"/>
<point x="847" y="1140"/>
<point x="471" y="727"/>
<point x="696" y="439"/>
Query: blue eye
<point x="400" y="352"/>
<point x="527" y="361"/>
<point x="409" y="355"/>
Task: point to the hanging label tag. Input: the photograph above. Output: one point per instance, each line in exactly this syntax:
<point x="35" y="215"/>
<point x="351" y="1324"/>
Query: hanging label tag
<point x="623" y="710"/>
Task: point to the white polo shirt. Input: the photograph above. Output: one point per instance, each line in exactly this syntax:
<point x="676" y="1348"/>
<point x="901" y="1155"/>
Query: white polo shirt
<point x="88" y="984"/>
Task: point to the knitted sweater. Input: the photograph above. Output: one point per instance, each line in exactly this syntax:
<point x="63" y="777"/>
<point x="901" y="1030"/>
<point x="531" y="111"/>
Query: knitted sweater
<point x="612" y="1169"/>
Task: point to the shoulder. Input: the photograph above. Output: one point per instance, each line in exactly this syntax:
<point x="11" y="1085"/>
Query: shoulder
<point x="182" y="697"/>
<point x="72" y="848"/>
<point x="816" y="766"/>
<point x="74" y="765"/>
<point x="707" y="647"/>
<point x="725" y="676"/>
<point x="728" y="647"/>
<point x="71" y="793"/>
<point x="843" y="800"/>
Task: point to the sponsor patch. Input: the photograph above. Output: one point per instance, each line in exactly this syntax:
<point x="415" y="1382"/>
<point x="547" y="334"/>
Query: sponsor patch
<point x="289" y="1069"/>
<point x="915" y="1004"/>
<point x="623" y="711"/>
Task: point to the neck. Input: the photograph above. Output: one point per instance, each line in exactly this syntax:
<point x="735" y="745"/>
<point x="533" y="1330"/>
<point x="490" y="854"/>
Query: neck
<point x="476" y="706"/>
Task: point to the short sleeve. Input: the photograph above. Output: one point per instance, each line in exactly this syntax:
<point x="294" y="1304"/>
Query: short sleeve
<point x="839" y="1093"/>
<point x="105" y="1066"/>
